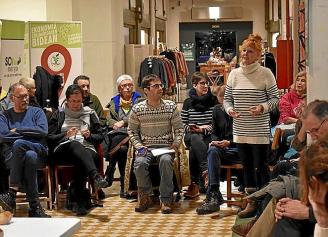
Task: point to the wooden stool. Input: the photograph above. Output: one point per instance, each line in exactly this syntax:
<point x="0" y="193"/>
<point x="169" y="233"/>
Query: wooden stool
<point x="230" y="194"/>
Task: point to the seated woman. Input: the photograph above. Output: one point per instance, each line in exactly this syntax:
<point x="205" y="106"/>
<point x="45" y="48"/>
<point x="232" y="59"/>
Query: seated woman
<point x="119" y="110"/>
<point x="196" y="116"/>
<point x="290" y="104"/>
<point x="72" y="136"/>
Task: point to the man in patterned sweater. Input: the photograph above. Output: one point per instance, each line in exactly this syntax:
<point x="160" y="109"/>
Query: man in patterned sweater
<point x="151" y="124"/>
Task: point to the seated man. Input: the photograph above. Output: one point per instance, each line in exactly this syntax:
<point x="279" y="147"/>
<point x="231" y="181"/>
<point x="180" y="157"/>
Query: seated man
<point x="150" y="126"/>
<point x="220" y="152"/>
<point x="23" y="131"/>
<point x="89" y="99"/>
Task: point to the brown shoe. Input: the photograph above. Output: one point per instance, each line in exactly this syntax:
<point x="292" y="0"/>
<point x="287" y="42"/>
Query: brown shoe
<point x="243" y="229"/>
<point x="250" y="209"/>
<point x="144" y="202"/>
<point x="193" y="191"/>
<point x="166" y="208"/>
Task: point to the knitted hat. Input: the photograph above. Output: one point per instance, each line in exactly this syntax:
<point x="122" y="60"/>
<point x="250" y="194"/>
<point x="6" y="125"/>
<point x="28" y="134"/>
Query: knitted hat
<point x="122" y="78"/>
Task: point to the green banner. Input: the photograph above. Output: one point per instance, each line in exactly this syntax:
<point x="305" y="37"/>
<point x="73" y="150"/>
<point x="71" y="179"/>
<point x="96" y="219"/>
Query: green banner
<point x="12" y="30"/>
<point x="44" y="34"/>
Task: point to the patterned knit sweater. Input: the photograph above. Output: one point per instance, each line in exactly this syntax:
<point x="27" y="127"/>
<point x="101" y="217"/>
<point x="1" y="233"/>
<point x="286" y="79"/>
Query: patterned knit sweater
<point x="249" y="86"/>
<point x="152" y="126"/>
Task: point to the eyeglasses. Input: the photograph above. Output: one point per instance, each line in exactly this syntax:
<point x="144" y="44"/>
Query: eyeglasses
<point x="315" y="130"/>
<point x="75" y="101"/>
<point x="22" y="97"/>
<point x="156" y="86"/>
<point x="203" y="83"/>
<point x="127" y="85"/>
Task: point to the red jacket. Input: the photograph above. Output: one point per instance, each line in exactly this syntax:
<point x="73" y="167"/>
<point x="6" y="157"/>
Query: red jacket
<point x="288" y="104"/>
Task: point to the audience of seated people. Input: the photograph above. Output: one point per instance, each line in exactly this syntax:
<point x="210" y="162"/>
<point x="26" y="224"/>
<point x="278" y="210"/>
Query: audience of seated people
<point x="23" y="147"/>
<point x="119" y="110"/>
<point x="73" y="134"/>
<point x="154" y="123"/>
<point x="196" y="116"/>
<point x="76" y="130"/>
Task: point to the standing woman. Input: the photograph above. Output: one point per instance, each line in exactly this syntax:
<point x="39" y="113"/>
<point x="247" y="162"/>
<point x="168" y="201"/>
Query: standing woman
<point x="196" y="116"/>
<point x="119" y="110"/>
<point x="251" y="93"/>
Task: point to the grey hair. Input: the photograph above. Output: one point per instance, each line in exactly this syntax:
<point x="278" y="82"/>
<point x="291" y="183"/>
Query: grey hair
<point x="319" y="108"/>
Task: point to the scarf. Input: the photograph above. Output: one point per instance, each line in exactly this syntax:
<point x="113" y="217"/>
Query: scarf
<point x="202" y="103"/>
<point x="83" y="114"/>
<point x="125" y="104"/>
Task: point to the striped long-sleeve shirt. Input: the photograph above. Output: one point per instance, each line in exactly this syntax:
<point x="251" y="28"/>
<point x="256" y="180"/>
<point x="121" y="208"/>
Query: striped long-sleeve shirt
<point x="249" y="86"/>
<point x="190" y="115"/>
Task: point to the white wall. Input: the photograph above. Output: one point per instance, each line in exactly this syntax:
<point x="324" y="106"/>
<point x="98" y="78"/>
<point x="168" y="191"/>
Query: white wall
<point x="317" y="50"/>
<point x="59" y="10"/>
<point x="253" y="10"/>
<point x="26" y="10"/>
<point x="103" y="43"/>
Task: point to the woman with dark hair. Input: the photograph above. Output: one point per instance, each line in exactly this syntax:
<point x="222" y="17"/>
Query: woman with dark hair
<point x="196" y="116"/>
<point x="73" y="134"/>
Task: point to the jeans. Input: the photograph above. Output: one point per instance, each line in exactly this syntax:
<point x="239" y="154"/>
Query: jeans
<point x="255" y="162"/>
<point x="27" y="157"/>
<point x="141" y="170"/>
<point x="216" y="157"/>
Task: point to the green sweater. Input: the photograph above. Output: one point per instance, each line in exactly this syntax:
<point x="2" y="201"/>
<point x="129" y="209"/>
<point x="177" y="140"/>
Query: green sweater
<point x="152" y="126"/>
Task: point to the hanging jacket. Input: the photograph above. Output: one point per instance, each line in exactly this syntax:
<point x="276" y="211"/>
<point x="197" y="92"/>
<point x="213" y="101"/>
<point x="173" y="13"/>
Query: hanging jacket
<point x="47" y="86"/>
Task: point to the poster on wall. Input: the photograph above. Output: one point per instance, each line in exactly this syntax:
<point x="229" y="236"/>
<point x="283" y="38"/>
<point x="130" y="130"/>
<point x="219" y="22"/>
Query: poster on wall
<point x="188" y="50"/>
<point x="57" y="47"/>
<point x="11" y="52"/>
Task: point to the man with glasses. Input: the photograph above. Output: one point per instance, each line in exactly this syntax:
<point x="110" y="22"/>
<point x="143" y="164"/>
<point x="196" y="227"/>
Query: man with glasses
<point x="90" y="99"/>
<point x="22" y="136"/>
<point x="154" y="123"/>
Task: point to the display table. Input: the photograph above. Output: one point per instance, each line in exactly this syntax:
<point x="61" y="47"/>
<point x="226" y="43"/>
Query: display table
<point x="50" y="227"/>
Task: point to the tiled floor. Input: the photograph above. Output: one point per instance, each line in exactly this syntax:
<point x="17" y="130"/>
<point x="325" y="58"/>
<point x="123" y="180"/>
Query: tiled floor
<point x="117" y="218"/>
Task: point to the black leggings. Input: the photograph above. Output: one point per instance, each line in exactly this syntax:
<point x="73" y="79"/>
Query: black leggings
<point x="83" y="159"/>
<point x="255" y="162"/>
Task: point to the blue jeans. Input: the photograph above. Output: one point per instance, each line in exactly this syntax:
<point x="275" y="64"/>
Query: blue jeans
<point x="26" y="158"/>
<point x="141" y="170"/>
<point x="216" y="157"/>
